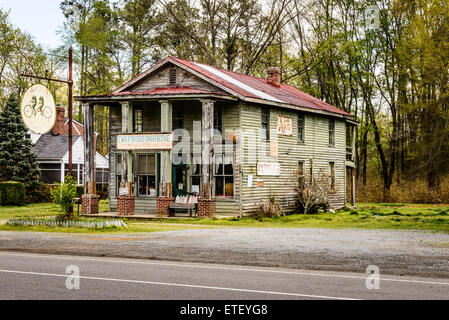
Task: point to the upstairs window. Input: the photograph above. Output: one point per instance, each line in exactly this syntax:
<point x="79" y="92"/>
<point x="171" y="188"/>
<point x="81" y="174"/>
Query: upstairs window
<point x="331" y="132"/>
<point x="138" y="119"/>
<point x="218" y="119"/>
<point x="173" y="79"/>
<point x="301" y="123"/>
<point x="178" y="117"/>
<point x="265" y="123"/>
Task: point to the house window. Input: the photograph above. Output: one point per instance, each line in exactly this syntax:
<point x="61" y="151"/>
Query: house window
<point x="173" y="76"/>
<point x="265" y="123"/>
<point x="301" y="123"/>
<point x="332" y="175"/>
<point x="195" y="173"/>
<point x="218" y="119"/>
<point x="224" y="176"/>
<point x="331" y="132"/>
<point x="147" y="175"/>
<point x="138" y="119"/>
<point x="178" y="117"/>
<point x="301" y="175"/>
<point x="50" y="173"/>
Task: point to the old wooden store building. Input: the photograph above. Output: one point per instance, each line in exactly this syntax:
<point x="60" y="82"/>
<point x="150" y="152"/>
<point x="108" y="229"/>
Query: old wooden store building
<point x="183" y="127"/>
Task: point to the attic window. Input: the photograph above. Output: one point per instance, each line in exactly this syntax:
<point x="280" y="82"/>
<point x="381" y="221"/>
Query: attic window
<point x="172" y="76"/>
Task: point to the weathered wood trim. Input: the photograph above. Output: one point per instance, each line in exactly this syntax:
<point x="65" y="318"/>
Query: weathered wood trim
<point x="89" y="149"/>
<point x="208" y="146"/>
<point x="166" y="164"/>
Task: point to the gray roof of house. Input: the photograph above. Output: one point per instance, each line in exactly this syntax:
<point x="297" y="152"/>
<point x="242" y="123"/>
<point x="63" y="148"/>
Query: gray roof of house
<point x="52" y="147"/>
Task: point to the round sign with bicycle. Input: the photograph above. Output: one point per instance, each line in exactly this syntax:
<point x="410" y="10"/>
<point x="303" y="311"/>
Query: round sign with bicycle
<point x="38" y="109"/>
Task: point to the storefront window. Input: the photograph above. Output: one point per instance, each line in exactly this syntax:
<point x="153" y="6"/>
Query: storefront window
<point x="147" y="175"/>
<point x="224" y="176"/>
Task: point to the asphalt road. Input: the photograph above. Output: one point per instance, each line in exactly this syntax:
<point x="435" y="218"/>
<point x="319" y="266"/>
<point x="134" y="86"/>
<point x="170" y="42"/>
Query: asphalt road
<point x="35" y="276"/>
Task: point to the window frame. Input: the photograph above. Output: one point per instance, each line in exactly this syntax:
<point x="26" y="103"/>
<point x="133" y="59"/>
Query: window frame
<point x="137" y="127"/>
<point x="265" y="123"/>
<point x="301" y="177"/>
<point x="224" y="175"/>
<point x="301" y="118"/>
<point x="332" y="175"/>
<point x="155" y="174"/>
<point x="218" y="119"/>
<point x="332" y="132"/>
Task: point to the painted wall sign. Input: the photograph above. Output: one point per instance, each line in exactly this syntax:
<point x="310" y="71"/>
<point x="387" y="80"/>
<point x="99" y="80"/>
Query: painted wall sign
<point x="268" y="169"/>
<point x="285" y="126"/>
<point x="38" y="109"/>
<point x="145" y="141"/>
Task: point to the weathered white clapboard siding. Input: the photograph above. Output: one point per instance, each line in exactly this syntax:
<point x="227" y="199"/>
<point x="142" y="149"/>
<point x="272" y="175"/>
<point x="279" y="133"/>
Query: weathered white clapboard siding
<point x="315" y="149"/>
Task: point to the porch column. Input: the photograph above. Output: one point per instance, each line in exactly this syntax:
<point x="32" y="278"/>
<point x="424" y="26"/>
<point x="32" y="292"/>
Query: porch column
<point x="89" y="149"/>
<point x="208" y="146"/>
<point x="127" y="127"/>
<point x="90" y="199"/>
<point x="165" y="188"/>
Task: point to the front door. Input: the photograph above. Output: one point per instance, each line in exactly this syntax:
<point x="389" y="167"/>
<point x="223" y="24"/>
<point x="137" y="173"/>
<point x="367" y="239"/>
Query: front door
<point x="179" y="179"/>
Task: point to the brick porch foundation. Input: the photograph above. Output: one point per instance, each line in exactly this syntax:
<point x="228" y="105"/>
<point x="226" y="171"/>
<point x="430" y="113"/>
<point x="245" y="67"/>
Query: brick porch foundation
<point x="206" y="207"/>
<point x="162" y="204"/>
<point x="126" y="205"/>
<point x="90" y="203"/>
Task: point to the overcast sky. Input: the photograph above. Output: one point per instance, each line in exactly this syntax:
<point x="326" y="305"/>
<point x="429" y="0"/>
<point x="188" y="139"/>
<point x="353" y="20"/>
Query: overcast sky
<point x="40" y="18"/>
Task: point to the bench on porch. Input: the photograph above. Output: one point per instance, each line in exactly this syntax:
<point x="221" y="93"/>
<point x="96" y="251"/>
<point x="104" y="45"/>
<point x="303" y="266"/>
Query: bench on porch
<point x="189" y="202"/>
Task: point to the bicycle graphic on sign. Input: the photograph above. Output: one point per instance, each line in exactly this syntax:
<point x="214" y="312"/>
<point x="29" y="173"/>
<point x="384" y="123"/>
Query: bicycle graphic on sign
<point x="33" y="109"/>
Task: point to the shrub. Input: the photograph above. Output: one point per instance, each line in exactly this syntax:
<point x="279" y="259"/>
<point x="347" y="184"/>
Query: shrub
<point x="268" y="209"/>
<point x="12" y="193"/>
<point x="313" y="193"/>
<point x="64" y="193"/>
<point x="40" y="193"/>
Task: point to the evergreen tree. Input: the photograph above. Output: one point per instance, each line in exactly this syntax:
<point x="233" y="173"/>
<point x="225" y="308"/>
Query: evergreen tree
<point x="17" y="161"/>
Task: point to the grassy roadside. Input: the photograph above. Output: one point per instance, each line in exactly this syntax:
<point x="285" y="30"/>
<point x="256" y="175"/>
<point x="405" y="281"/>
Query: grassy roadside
<point x="369" y="216"/>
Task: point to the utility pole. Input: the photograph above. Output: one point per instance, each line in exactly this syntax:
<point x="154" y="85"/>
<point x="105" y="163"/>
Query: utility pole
<point x="69" y="82"/>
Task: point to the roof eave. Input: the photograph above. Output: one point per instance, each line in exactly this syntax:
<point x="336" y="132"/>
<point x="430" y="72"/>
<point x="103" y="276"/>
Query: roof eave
<point x="118" y="98"/>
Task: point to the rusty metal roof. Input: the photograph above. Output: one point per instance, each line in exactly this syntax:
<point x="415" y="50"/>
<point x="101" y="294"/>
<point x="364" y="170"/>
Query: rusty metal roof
<point x="235" y="84"/>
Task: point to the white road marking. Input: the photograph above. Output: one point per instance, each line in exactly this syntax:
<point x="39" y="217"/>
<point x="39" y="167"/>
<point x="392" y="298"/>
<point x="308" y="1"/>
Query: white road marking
<point x="202" y="266"/>
<point x="181" y="285"/>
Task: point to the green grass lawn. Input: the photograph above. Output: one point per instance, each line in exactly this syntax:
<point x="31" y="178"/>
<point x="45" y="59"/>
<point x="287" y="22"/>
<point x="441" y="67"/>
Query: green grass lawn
<point x="369" y="216"/>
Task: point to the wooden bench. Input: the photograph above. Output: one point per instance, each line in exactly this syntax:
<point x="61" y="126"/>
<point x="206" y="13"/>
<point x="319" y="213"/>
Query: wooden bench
<point x="189" y="202"/>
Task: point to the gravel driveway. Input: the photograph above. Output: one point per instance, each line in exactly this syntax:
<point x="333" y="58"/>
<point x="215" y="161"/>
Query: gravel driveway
<point x="395" y="252"/>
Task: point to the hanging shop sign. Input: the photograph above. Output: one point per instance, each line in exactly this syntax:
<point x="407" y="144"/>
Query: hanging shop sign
<point x="268" y="169"/>
<point x="145" y="141"/>
<point x="38" y="109"/>
<point x="285" y="126"/>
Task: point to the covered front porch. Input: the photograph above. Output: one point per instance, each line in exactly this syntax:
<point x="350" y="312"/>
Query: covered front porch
<point x="146" y="179"/>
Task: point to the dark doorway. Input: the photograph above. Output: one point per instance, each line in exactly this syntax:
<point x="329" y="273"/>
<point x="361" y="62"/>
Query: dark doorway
<point x="179" y="178"/>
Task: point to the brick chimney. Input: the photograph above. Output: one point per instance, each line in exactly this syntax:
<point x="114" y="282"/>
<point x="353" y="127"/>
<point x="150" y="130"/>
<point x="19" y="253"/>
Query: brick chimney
<point x="274" y="76"/>
<point x="58" y="128"/>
